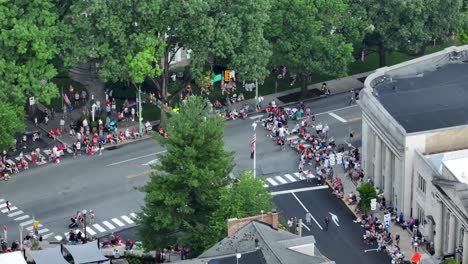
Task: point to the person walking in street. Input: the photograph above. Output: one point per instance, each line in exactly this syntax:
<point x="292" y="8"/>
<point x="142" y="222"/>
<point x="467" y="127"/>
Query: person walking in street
<point x="327" y="221"/>
<point x="308" y="218"/>
<point x="290" y="224"/>
<point x="8" y="205"/>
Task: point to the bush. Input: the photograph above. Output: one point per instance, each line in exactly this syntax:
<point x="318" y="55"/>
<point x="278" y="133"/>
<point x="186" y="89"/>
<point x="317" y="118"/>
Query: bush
<point x="366" y="193"/>
<point x="134" y="259"/>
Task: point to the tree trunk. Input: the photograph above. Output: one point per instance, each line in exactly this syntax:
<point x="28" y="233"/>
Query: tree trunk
<point x="304" y="85"/>
<point x="382" y="61"/>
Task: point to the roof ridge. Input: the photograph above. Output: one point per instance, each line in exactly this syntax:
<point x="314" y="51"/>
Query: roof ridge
<point x="264" y="240"/>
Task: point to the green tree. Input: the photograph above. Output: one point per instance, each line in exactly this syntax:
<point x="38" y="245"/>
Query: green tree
<point x="246" y="197"/>
<point x="28" y="44"/>
<point x="410" y="25"/>
<point x="366" y="194"/>
<point x="183" y="194"/>
<point x="12" y="121"/>
<point x="313" y="37"/>
<point x="449" y="261"/>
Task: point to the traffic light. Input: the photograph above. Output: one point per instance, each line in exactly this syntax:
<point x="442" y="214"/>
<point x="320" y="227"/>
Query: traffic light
<point x="227" y="76"/>
<point x="36" y="224"/>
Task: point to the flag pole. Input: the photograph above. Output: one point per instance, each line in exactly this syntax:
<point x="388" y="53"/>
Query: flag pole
<point x="255" y="158"/>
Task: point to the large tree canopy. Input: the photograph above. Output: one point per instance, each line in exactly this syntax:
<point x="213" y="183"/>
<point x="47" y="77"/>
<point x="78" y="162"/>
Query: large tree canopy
<point x="28" y="44"/>
<point x="410" y="26"/>
<point x="184" y="192"/>
<point x="313" y="36"/>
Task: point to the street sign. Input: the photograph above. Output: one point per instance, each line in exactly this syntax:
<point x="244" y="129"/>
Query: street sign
<point x="335" y="219"/>
<point x="227" y="76"/>
<point x="32" y="100"/>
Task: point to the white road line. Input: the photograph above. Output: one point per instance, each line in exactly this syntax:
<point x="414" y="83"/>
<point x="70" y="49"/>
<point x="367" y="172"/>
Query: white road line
<point x="10" y="162"/>
<point x="272" y="182"/>
<point x="17" y="158"/>
<point x="90" y="231"/>
<point x="336" y="110"/>
<point x="2" y="200"/>
<point x="28" y="157"/>
<point x="69" y="151"/>
<point x="281" y="180"/>
<point x="15" y="213"/>
<point x="99" y="228"/>
<point x="2" y="205"/>
<point x="255" y="117"/>
<point x="307" y="211"/>
<point x="306" y="227"/>
<point x="11" y="209"/>
<point x="301" y="190"/>
<point x="26" y="223"/>
<point x="290" y="177"/>
<point x="109" y="225"/>
<point x="127" y="219"/>
<point x="292" y="137"/>
<point x="144" y="156"/>
<point x="151" y="162"/>
<point x="117" y="221"/>
<point x="42" y="231"/>
<point x="47" y="236"/>
<point x="29" y="228"/>
<point x="21" y="218"/>
<point x="339" y="118"/>
<point x="58" y="238"/>
<point x="299" y="175"/>
<point x="372" y="249"/>
<point x="133" y="215"/>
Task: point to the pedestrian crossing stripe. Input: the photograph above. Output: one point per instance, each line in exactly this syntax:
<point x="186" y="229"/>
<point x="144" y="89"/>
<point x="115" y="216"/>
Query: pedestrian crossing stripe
<point x="10" y="162"/>
<point x="292" y="137"/>
<point x="133" y="215"/>
<point x="2" y="200"/>
<point x="26" y="223"/>
<point x="90" y="231"/>
<point x="21" y="218"/>
<point x="118" y="222"/>
<point x="58" y="238"/>
<point x="43" y="231"/>
<point x="46" y="236"/>
<point x="299" y="175"/>
<point x="290" y="178"/>
<point x="281" y="180"/>
<point x="99" y="228"/>
<point x="272" y="182"/>
<point x="11" y="209"/>
<point x="29" y="228"/>
<point x="15" y="213"/>
<point x="109" y="225"/>
<point x="18" y="158"/>
<point x="127" y="219"/>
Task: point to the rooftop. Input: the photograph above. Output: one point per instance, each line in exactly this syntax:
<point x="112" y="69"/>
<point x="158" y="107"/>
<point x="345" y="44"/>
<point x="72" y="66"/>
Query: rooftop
<point x="428" y="99"/>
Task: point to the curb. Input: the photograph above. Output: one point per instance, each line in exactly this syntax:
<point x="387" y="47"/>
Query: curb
<point x="343" y="200"/>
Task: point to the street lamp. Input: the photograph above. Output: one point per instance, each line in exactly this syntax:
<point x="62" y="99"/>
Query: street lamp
<point x="84" y="212"/>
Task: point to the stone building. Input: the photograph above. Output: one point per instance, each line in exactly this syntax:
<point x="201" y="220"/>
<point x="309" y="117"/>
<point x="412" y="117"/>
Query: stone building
<point x="414" y="113"/>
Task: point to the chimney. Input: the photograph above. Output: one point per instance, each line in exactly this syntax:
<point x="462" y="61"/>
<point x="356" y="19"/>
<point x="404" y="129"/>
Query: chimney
<point x="235" y="224"/>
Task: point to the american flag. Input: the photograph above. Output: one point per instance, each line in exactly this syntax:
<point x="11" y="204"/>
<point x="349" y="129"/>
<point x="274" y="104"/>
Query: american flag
<point x="253" y="141"/>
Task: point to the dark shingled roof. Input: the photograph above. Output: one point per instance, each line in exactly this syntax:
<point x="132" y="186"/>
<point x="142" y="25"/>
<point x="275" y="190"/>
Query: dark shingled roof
<point x="431" y="100"/>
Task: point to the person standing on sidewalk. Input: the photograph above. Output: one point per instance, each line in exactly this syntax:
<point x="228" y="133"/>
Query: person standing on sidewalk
<point x="308" y="218"/>
<point x="327" y="221"/>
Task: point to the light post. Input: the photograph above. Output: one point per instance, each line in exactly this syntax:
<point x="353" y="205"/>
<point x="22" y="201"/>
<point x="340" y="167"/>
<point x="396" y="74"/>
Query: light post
<point x="254" y="149"/>
<point x="84" y="212"/>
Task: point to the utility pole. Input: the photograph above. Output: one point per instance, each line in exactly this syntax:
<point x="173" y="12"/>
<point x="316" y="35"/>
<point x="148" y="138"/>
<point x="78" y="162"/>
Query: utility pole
<point x="140" y="118"/>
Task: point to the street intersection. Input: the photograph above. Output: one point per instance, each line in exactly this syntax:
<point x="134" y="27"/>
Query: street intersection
<point x="106" y="184"/>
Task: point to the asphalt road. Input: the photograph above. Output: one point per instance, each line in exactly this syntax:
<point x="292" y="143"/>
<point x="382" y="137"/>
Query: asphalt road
<point x="106" y="184"/>
<point x="342" y="242"/>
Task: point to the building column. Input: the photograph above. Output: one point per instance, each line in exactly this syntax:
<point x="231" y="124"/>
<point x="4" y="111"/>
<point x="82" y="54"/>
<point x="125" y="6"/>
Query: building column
<point x="397" y="200"/>
<point x="438" y="240"/>
<point x="388" y="174"/>
<point x="365" y="146"/>
<point x="378" y="163"/>
<point x="465" y="246"/>
<point x="452" y="234"/>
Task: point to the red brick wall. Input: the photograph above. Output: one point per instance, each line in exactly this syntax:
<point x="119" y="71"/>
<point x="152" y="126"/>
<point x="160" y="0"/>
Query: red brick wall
<point x="235" y="224"/>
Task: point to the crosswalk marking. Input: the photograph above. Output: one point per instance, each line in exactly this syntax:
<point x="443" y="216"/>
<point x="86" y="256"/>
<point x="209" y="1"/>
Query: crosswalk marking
<point x="58" y="238"/>
<point x="2" y="200"/>
<point x="10" y="162"/>
<point x="69" y="151"/>
<point x="26" y="223"/>
<point x="90" y="231"/>
<point x="28" y="157"/>
<point x="29" y="228"/>
<point x="11" y="209"/>
<point x="109" y="225"/>
<point x="99" y="228"/>
<point x="272" y="182"/>
<point x="2" y="205"/>
<point x="133" y="215"/>
<point x="290" y="177"/>
<point x="292" y="137"/>
<point x="337" y="117"/>
<point x="117" y="221"/>
<point x="281" y="180"/>
<point x="15" y="213"/>
<point x="46" y="236"/>
<point x="23" y="217"/>
<point x="299" y="175"/>
<point x="17" y="158"/>
<point x="127" y="219"/>
<point x="43" y="231"/>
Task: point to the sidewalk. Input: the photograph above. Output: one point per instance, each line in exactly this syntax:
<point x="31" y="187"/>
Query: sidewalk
<point x="405" y="235"/>
<point x="336" y="86"/>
